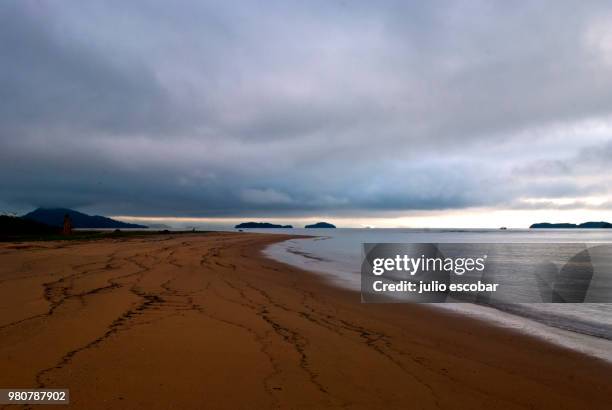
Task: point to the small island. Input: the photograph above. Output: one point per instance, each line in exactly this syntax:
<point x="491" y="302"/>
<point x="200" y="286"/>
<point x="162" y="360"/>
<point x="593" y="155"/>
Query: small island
<point x="260" y="225"/>
<point x="320" y="225"/>
<point x="565" y="225"/>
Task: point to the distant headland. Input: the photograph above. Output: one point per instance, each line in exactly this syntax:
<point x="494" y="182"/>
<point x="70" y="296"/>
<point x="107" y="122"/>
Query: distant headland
<point x="57" y="224"/>
<point x="55" y="217"/>
<point x="321" y="225"/>
<point x="585" y="225"/>
<point x="260" y="225"/>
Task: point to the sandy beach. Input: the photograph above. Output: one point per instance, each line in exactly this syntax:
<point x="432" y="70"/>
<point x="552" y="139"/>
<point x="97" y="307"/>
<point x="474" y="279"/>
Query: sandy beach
<point x="205" y="321"/>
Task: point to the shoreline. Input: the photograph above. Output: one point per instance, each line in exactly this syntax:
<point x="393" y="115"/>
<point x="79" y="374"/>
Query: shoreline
<point x="522" y="320"/>
<point x="196" y="315"/>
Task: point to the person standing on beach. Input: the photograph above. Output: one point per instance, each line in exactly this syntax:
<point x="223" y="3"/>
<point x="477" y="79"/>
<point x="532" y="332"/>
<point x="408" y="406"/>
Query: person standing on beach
<point x="67" y="230"/>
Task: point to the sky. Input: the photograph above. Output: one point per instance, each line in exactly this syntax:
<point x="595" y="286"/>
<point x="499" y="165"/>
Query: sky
<point x="386" y="113"/>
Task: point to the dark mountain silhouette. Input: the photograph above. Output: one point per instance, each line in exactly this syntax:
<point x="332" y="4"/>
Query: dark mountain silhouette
<point x="260" y="225"/>
<point x="55" y="217"/>
<point x="585" y="225"/>
<point x="321" y="225"/>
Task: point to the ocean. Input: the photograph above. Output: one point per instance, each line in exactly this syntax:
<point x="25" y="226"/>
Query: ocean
<point x="336" y="255"/>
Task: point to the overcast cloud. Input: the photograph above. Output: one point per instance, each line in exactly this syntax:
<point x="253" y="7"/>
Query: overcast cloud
<point x="212" y="108"/>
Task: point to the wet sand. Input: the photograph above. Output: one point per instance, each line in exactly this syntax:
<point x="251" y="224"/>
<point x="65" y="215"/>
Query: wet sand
<point x="205" y="321"/>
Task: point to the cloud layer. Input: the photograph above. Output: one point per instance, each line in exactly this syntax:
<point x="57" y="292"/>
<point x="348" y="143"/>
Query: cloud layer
<point x="303" y="108"/>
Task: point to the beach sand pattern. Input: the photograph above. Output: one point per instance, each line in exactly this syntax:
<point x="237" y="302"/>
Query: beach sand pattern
<point x="204" y="321"/>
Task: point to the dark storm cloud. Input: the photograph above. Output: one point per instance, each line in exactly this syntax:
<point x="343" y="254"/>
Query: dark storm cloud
<point x="50" y="81"/>
<point x="243" y="108"/>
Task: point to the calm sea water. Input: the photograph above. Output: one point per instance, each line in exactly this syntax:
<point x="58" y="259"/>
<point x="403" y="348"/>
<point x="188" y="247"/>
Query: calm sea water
<point x="336" y="254"/>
